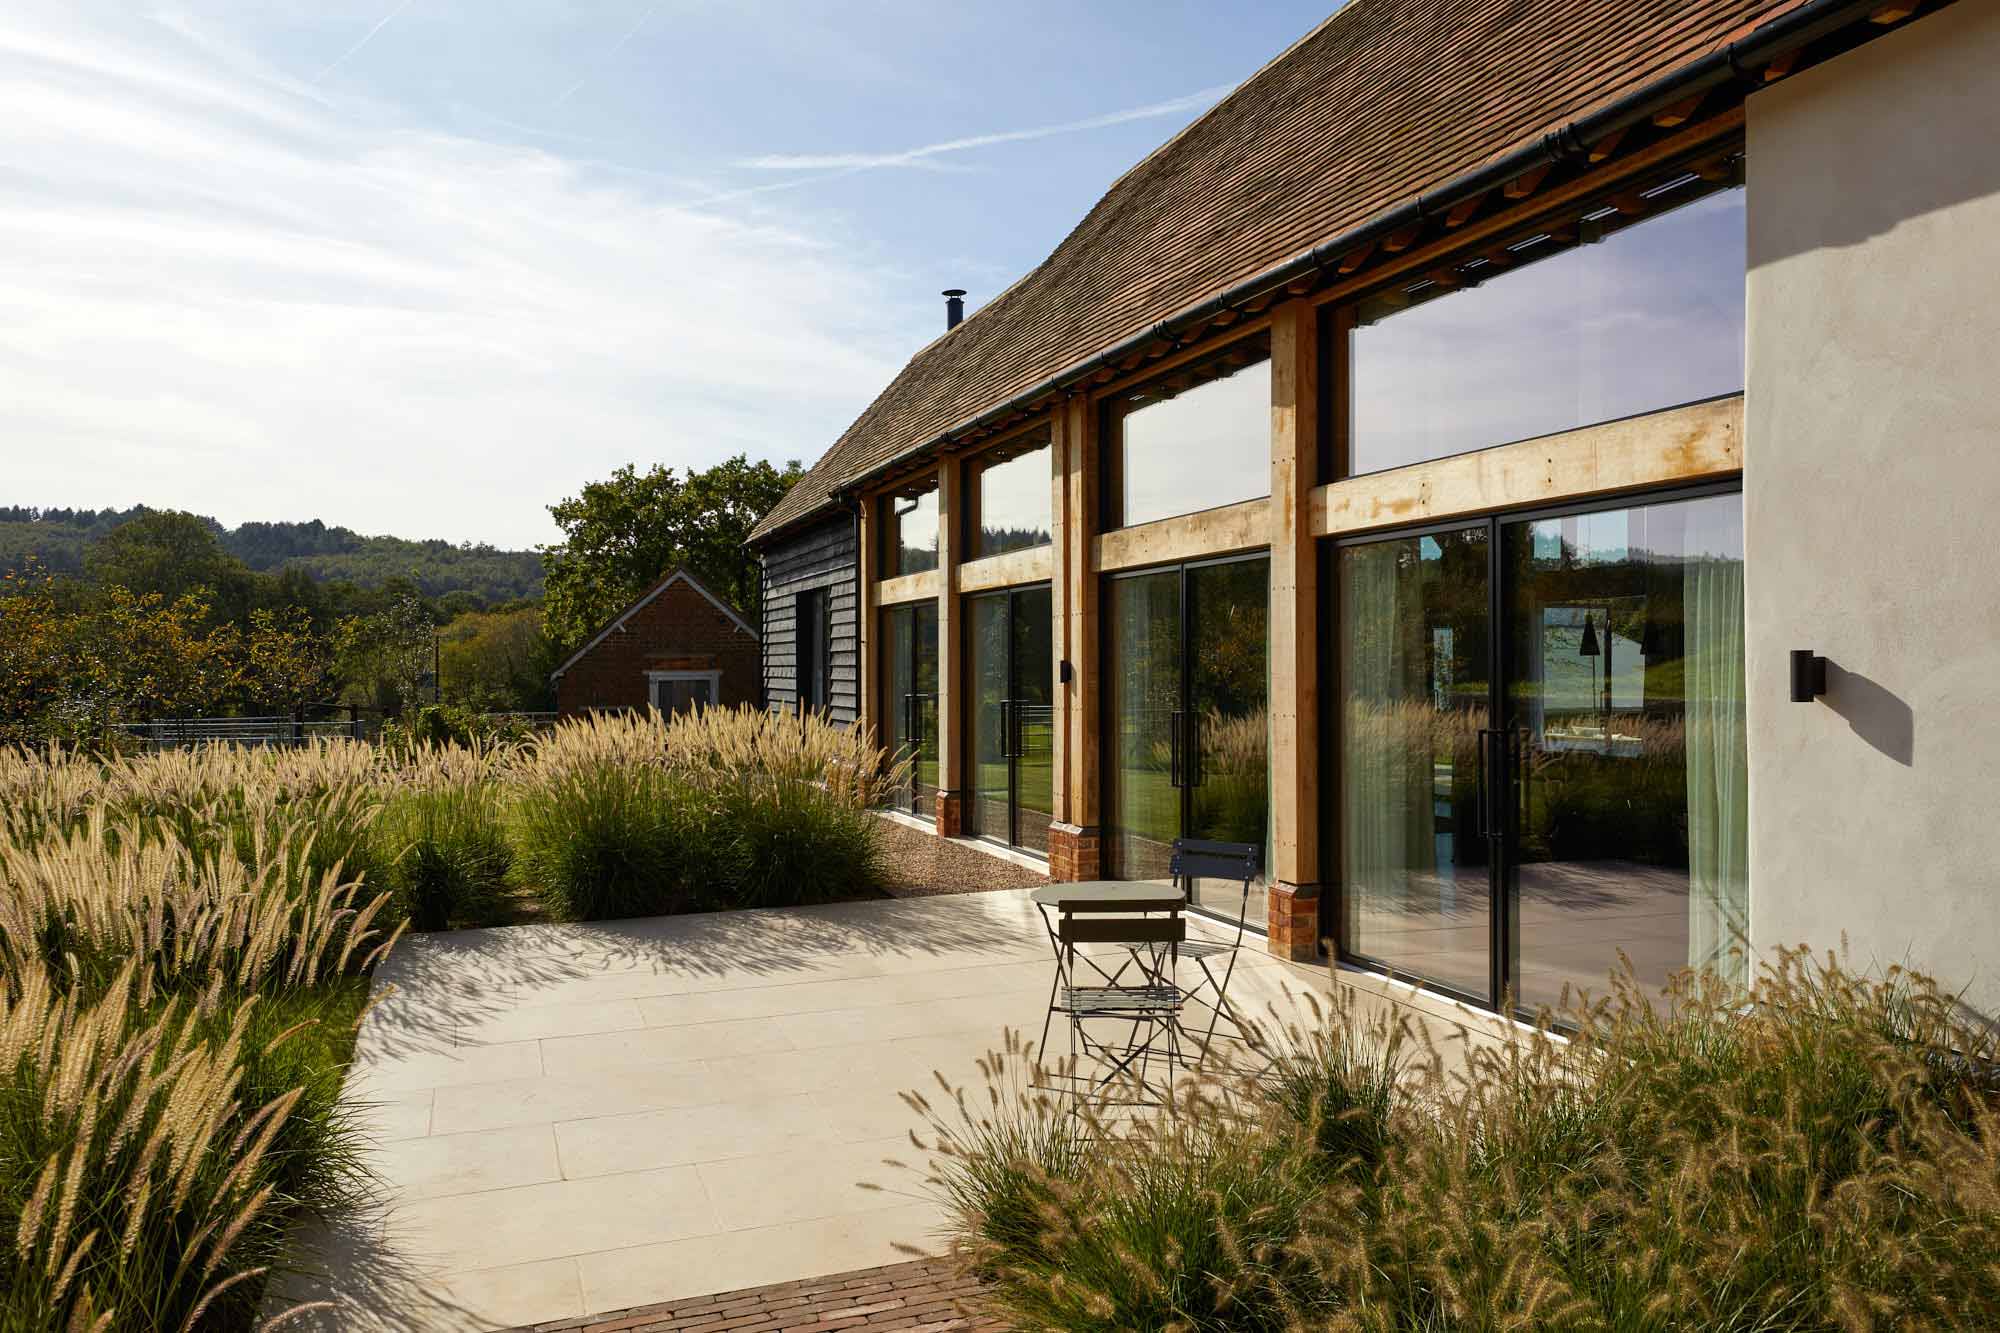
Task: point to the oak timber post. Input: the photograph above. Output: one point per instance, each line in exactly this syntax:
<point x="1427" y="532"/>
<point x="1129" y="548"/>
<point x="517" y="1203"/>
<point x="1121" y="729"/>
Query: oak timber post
<point x="1074" y="839"/>
<point x="950" y="737"/>
<point x="1294" y="866"/>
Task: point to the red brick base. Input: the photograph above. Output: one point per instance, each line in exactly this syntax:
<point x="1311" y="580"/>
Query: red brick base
<point x="1073" y="854"/>
<point x="950" y="814"/>
<point x="927" y="1296"/>
<point x="1294" y="921"/>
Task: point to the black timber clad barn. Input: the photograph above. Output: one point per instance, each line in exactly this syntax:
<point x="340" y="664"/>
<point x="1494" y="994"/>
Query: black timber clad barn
<point x="809" y="617"/>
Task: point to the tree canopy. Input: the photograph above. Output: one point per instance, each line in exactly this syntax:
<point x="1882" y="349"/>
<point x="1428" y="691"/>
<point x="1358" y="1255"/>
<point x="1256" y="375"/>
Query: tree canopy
<point x="621" y="534"/>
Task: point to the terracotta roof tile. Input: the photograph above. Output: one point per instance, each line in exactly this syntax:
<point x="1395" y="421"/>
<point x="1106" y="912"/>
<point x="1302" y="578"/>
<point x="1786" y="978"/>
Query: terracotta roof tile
<point x="1385" y="99"/>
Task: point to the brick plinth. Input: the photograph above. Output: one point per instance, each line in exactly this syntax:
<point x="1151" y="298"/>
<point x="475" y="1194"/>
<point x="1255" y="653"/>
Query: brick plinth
<point x="950" y="814"/>
<point x="924" y="1296"/>
<point x="1073" y="853"/>
<point x="1294" y="921"/>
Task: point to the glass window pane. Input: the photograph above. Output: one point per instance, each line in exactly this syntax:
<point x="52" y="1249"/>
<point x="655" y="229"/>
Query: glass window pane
<point x="912" y="522"/>
<point x="1651" y="317"/>
<point x="1414" y="862"/>
<point x="1626" y="700"/>
<point x="1196" y="439"/>
<point x="1014" y="502"/>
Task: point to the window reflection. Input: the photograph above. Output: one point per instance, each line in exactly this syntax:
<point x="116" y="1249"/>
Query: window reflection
<point x="1626" y="701"/>
<point x="1650" y="317"/>
<point x="911" y="521"/>
<point x="1011" y="497"/>
<point x="1195" y="439"/>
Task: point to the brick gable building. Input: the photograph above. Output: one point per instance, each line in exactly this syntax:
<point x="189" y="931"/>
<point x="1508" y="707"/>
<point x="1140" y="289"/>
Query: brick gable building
<point x="677" y="646"/>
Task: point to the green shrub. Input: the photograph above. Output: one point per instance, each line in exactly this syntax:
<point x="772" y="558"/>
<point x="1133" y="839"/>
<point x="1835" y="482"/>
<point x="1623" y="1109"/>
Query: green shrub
<point x="432" y="725"/>
<point x="603" y="840"/>
<point x="1824" y="1156"/>
<point x="447" y="853"/>
<point x="784" y="842"/>
<point x="639" y="814"/>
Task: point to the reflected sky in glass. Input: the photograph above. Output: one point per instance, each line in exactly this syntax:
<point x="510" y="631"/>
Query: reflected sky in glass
<point x="914" y="532"/>
<point x="1204" y="448"/>
<point x="1014" y="504"/>
<point x="1651" y="317"/>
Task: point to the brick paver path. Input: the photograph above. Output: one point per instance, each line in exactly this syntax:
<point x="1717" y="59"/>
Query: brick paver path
<point x="924" y="1296"/>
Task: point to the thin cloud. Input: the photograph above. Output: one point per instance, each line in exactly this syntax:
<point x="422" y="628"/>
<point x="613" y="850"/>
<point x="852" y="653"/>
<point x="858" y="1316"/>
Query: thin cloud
<point x="366" y="38"/>
<point x="913" y="157"/>
<point x="615" y="48"/>
<point x="227" y="298"/>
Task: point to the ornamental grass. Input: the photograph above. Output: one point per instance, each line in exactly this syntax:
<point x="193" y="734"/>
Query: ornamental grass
<point x="1823" y="1153"/>
<point x="173" y="1025"/>
<point x="186" y="940"/>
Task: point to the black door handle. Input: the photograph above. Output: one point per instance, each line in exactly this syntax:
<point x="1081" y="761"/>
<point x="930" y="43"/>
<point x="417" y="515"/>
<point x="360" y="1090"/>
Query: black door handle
<point x="1196" y="777"/>
<point x="1006" y="729"/>
<point x="1487" y="784"/>
<point x="1174" y="723"/>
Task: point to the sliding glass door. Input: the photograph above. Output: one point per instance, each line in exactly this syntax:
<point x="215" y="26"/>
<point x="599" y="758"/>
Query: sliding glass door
<point x="1416" y="699"/>
<point x="1606" y="810"/>
<point x="1011" y="666"/>
<point x="1624" y="706"/>
<point x="910" y="700"/>
<point x="1187" y="733"/>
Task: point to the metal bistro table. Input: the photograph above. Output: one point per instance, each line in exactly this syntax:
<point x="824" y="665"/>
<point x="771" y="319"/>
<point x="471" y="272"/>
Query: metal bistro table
<point x="1097" y="898"/>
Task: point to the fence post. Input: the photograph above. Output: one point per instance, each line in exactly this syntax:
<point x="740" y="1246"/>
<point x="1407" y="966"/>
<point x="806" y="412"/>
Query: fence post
<point x="354" y="721"/>
<point x="298" y="724"/>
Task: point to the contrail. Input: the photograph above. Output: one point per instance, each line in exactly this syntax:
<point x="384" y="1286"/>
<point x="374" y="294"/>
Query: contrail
<point x="914" y="156"/>
<point x="614" y="49"/>
<point x="366" y="38"/>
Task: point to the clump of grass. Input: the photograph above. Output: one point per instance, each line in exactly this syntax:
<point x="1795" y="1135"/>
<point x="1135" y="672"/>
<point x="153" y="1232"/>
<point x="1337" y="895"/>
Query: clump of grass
<point x="639" y="814"/>
<point x="1821" y="1153"/>
<point x="598" y="821"/>
<point x="443" y="837"/>
<point x="154" y="1150"/>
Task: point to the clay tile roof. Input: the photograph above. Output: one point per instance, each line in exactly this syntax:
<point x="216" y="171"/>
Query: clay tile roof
<point x="1385" y="99"/>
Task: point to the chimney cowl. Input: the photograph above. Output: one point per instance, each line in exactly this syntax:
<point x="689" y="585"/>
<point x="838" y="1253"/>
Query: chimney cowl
<point x="954" y="307"/>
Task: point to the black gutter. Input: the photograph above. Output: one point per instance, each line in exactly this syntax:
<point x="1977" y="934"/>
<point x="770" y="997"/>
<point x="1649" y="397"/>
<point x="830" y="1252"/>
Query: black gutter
<point x="1740" y="59"/>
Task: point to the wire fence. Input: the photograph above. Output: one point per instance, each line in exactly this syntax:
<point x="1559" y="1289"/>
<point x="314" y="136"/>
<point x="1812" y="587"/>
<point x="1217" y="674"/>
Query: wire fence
<point x="320" y="722"/>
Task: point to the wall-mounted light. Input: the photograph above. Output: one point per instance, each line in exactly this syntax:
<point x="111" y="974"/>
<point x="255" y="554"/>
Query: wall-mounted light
<point x="1808" y="676"/>
<point x="1065" y="673"/>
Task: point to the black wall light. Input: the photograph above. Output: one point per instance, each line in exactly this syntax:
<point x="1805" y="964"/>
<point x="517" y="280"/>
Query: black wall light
<point x="1808" y="676"/>
<point x="1065" y="673"/>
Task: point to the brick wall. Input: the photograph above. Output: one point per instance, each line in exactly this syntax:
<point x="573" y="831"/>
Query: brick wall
<point x="679" y="630"/>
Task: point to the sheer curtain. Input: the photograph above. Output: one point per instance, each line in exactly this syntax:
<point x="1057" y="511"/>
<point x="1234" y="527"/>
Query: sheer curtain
<point x="1717" y="758"/>
<point x="1387" y="822"/>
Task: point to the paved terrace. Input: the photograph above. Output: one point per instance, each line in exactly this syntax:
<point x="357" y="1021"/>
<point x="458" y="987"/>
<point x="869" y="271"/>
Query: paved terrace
<point x="574" y="1119"/>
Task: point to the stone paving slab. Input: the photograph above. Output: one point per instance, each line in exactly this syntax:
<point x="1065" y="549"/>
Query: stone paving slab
<point x="921" y="1296"/>
<point x="573" y="1118"/>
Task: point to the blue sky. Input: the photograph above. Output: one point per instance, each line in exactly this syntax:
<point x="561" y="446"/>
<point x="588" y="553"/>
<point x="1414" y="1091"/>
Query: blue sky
<point x="425" y="267"/>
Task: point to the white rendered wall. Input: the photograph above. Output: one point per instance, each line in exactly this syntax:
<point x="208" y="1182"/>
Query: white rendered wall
<point x="1872" y="501"/>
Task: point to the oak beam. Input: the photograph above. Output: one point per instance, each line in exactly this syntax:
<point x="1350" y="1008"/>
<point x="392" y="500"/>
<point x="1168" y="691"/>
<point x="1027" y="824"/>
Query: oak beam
<point x="1243" y="526"/>
<point x="1006" y="570"/>
<point x="951" y="733"/>
<point x="1081" y="696"/>
<point x="1703" y="441"/>
<point x="907" y="588"/>
<point x="1680" y="113"/>
<point x="1294" y="630"/>
<point x="1527" y="182"/>
<point x="1056" y="569"/>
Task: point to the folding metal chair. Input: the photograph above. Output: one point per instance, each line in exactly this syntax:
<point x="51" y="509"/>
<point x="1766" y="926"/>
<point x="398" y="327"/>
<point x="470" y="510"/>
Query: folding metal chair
<point x="1149" y="1004"/>
<point x="1195" y="859"/>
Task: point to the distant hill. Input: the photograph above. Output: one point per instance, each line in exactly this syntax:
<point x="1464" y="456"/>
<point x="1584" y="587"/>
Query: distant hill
<point x="58" y="538"/>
